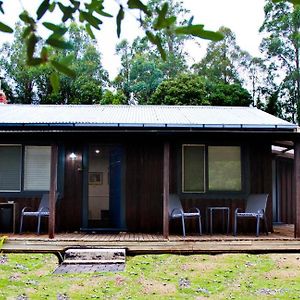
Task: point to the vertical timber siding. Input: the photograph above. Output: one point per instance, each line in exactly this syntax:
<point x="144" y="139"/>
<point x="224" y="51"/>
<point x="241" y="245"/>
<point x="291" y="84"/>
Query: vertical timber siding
<point x="144" y="187"/>
<point x="70" y="209"/>
<point x="285" y="186"/>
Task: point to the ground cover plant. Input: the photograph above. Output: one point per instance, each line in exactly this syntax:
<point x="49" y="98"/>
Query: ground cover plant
<point x="234" y="276"/>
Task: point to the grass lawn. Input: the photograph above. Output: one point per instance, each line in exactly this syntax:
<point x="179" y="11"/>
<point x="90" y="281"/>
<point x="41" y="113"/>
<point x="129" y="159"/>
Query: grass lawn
<point x="234" y="276"/>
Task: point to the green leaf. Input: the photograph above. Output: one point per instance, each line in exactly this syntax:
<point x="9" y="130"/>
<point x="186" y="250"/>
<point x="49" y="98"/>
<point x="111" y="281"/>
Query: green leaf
<point x="95" y="22"/>
<point x="5" y="28"/>
<point x="63" y="69"/>
<point x="44" y="54"/>
<point x="198" y="31"/>
<point x="89" y="31"/>
<point x="161" y="49"/>
<point x="27" y="31"/>
<point x="156" y="41"/>
<point x="58" y="30"/>
<point x="67" y="60"/>
<point x="1" y="8"/>
<point x="24" y="16"/>
<point x="54" y="80"/>
<point x="162" y="15"/>
<point x="151" y="37"/>
<point x="59" y="43"/>
<point x="67" y="12"/>
<point x="34" y="61"/>
<point x="52" y="6"/>
<point x="137" y="4"/>
<point x="31" y="43"/>
<point x="120" y="17"/>
<point x="42" y="9"/>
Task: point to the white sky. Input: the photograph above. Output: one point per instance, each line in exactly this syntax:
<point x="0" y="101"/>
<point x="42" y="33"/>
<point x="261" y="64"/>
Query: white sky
<point x="243" y="17"/>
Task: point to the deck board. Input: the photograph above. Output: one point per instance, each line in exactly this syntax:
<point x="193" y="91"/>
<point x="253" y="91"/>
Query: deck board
<point x="282" y="239"/>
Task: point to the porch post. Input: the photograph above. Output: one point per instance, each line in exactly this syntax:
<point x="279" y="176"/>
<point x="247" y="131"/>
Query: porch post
<point x="166" y="175"/>
<point x="297" y="187"/>
<point x="52" y="192"/>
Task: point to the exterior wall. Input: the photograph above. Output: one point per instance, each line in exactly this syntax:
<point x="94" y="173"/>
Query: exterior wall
<point x="284" y="190"/>
<point x="144" y="187"/>
<point x="144" y="181"/>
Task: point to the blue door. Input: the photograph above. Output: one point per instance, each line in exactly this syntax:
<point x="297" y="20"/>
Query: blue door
<point x="116" y="187"/>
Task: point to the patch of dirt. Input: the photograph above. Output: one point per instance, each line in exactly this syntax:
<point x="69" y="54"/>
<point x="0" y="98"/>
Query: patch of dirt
<point x="157" y="287"/>
<point x="287" y="265"/>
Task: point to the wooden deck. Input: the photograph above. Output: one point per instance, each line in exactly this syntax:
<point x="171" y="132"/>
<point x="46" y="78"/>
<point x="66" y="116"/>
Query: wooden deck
<point x="281" y="240"/>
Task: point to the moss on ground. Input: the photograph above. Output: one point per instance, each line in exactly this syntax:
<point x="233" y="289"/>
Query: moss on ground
<point x="234" y="276"/>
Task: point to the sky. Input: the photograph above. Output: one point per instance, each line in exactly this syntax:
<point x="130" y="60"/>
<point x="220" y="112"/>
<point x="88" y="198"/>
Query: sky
<point x="243" y="17"/>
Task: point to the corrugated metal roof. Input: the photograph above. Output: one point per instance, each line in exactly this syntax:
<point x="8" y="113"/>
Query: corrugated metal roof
<point x="140" y="116"/>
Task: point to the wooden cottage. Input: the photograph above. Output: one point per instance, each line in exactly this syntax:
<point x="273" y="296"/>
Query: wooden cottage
<point x="114" y="166"/>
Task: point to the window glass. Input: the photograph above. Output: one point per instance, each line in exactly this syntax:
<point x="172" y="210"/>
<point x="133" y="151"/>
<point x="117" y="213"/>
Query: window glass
<point x="10" y="168"/>
<point x="193" y="168"/>
<point x="37" y="168"/>
<point x="224" y="168"/>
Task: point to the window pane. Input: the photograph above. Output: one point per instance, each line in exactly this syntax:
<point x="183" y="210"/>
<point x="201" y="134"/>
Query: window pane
<point x="193" y="168"/>
<point x="10" y="168"/>
<point x="37" y="168"/>
<point x="224" y="168"/>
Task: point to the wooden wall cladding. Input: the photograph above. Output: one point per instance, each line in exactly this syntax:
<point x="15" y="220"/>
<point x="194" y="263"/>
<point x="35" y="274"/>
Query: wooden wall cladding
<point x="260" y="159"/>
<point x="285" y="186"/>
<point x="70" y="209"/>
<point x="144" y="187"/>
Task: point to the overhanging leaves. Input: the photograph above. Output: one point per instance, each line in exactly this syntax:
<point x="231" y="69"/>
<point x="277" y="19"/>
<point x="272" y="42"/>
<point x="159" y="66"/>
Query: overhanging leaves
<point x="120" y="17"/>
<point x="42" y="9"/>
<point x="59" y="43"/>
<point x="137" y="4"/>
<point x="54" y="80"/>
<point x="59" y="30"/>
<point x="63" y="68"/>
<point x="198" y="31"/>
<point x="5" y="28"/>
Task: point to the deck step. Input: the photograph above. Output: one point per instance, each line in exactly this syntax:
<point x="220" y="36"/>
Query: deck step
<point x="82" y="260"/>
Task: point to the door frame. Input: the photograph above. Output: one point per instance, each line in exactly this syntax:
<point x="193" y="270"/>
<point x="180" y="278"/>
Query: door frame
<point x="85" y="189"/>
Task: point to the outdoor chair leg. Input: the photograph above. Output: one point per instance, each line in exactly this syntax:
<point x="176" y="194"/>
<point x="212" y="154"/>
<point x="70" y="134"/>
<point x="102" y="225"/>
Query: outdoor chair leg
<point x="39" y="225"/>
<point x="21" y="224"/>
<point x="200" y="225"/>
<point x="235" y="225"/>
<point x="183" y="225"/>
<point x="257" y="225"/>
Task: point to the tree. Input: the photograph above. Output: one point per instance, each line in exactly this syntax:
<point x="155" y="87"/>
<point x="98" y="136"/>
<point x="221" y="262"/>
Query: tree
<point x="32" y="84"/>
<point x="185" y="89"/>
<point x="223" y="60"/>
<point x="222" y="94"/>
<point x="281" y="47"/>
<point x="91" y="14"/>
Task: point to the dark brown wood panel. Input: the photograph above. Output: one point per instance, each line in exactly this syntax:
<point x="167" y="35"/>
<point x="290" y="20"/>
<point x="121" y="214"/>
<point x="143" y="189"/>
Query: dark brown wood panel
<point x="70" y="209"/>
<point x="285" y="187"/>
<point x="261" y="174"/>
<point x="144" y="187"/>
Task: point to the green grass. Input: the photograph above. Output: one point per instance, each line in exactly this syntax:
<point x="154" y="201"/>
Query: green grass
<point x="235" y="276"/>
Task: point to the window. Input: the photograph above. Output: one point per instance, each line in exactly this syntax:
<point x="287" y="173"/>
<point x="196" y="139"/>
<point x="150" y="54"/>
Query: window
<point x="224" y="168"/>
<point x="193" y="166"/>
<point x="37" y="168"/>
<point x="10" y="168"/>
<point x="223" y="171"/>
